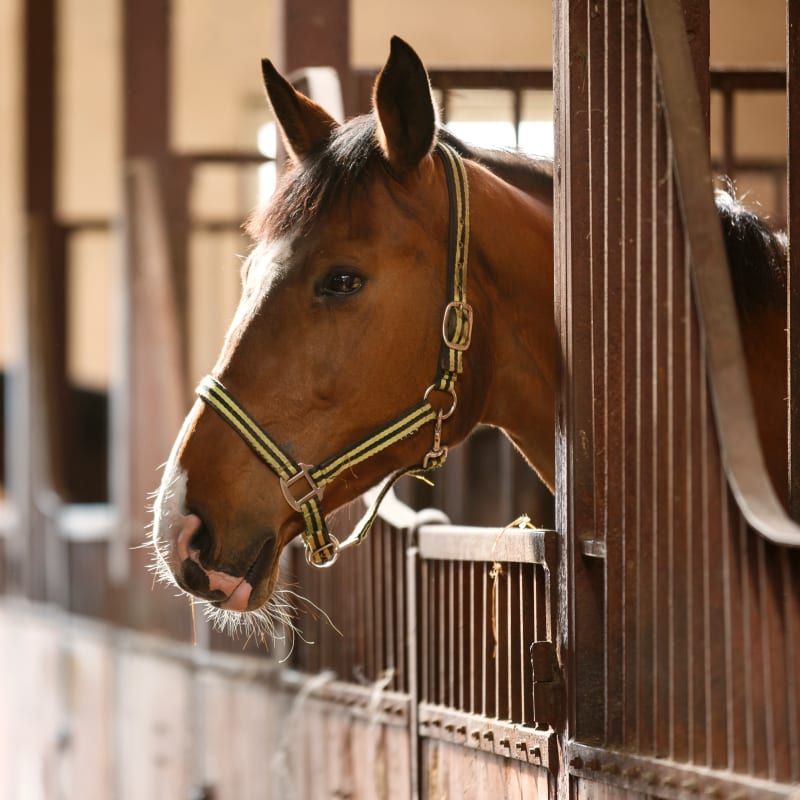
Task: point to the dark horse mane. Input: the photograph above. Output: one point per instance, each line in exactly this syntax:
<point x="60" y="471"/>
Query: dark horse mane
<point x="756" y="255"/>
<point x="352" y="158"/>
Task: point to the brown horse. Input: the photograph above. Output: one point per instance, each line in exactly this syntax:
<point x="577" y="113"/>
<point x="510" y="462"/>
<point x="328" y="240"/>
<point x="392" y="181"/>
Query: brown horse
<point x="340" y="329"/>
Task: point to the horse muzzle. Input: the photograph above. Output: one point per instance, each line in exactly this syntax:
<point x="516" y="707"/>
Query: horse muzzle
<point x="186" y="545"/>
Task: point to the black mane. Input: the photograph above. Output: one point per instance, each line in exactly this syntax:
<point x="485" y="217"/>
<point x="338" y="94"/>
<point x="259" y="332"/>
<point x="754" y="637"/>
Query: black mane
<point x="352" y="158"/>
<point x="756" y="255"/>
<point x="532" y="174"/>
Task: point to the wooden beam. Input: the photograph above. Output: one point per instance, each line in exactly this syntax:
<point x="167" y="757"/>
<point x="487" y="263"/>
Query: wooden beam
<point x="316" y="33"/>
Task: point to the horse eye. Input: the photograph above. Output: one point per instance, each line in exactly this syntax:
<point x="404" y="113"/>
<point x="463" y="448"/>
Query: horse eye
<point x="341" y="284"/>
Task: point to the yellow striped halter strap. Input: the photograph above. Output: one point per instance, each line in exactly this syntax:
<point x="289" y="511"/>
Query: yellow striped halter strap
<point x="303" y="485"/>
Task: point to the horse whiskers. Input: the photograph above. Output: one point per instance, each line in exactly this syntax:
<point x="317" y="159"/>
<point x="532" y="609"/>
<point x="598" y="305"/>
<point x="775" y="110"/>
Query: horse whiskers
<point x="314" y="607"/>
<point x="266" y="624"/>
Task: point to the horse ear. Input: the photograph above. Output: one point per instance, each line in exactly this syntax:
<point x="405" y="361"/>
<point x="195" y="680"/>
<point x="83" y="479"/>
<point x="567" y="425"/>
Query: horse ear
<point x="304" y="124"/>
<point x="404" y="108"/>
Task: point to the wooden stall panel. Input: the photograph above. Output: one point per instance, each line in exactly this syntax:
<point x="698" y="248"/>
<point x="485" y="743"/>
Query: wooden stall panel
<point x="241" y="736"/>
<point x="89" y="746"/>
<point x="451" y="772"/>
<point x="30" y="708"/>
<point x="326" y="751"/>
<point x="153" y="727"/>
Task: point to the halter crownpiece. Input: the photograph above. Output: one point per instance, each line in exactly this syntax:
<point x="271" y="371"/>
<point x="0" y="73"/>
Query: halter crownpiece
<point x="303" y="485"/>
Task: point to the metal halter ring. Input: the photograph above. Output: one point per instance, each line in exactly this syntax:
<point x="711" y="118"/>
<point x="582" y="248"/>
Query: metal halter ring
<point x="452" y="392"/>
<point x="332" y="546"/>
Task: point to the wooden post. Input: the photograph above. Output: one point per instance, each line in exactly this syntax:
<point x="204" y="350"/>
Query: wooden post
<point x="150" y="395"/>
<point x="316" y="33"/>
<point x="37" y="391"/>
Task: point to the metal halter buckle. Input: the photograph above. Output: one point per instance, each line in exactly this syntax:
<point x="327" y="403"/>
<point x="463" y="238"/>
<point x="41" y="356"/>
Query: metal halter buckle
<point x="332" y="546"/>
<point x="461" y="307"/>
<point x="314" y="490"/>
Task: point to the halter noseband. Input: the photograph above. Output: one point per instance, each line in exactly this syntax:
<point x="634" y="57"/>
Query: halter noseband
<point x="309" y="482"/>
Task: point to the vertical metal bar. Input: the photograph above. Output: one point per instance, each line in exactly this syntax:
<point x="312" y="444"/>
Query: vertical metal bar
<point x="375" y="548"/>
<point x="421" y="629"/>
<point x="509" y="642"/>
<point x="793" y="222"/>
<point x="596" y="198"/>
<point x="523" y="614"/>
<point x="790" y="572"/>
<point x="747" y="618"/>
<point x="729" y="621"/>
<point x="415" y="623"/>
<point x="441" y="636"/>
<point x="451" y="634"/>
<point x="433" y="653"/>
<point x="773" y="645"/>
<point x="497" y="650"/>
<point x="615" y="320"/>
<point x="664" y="557"/>
<point x="630" y="598"/>
<point x="389" y="579"/>
<point x="460" y="636"/>
<point x="648" y="475"/>
<point x="472" y="638"/>
<point x="401" y="591"/>
<point x="486" y="633"/>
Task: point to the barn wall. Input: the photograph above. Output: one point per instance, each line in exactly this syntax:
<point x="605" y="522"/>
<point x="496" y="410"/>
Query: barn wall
<point x="91" y="711"/>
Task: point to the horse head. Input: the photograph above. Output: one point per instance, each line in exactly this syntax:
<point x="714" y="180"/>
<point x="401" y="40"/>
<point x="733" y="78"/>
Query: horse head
<point x="338" y="334"/>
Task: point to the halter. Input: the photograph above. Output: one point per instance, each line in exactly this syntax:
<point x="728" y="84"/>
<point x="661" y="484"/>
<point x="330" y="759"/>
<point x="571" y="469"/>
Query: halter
<point x="303" y="485"/>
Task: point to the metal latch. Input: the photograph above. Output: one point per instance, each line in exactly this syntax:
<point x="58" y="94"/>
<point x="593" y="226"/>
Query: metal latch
<point x="548" y="685"/>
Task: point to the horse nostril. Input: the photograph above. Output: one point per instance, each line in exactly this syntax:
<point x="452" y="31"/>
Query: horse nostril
<point x="200" y="541"/>
<point x="194" y="540"/>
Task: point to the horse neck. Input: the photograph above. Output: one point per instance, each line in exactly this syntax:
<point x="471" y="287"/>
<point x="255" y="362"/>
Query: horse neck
<point x="512" y="245"/>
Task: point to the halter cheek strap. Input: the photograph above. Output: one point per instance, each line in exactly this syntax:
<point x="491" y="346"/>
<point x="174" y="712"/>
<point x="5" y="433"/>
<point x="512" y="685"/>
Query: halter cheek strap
<point x="303" y="485"/>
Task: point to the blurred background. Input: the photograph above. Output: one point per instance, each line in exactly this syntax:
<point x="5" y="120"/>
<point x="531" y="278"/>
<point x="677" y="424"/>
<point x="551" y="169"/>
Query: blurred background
<point x="134" y="140"/>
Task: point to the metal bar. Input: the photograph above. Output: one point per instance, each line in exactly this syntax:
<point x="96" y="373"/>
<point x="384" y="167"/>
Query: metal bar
<point x="736" y="425"/>
<point x="524" y="613"/>
<point x="415" y="633"/>
<point x="653" y="777"/>
<point x="464" y="543"/>
<point x="442" y="681"/>
<point x="793" y="268"/>
<point x="463" y="678"/>
<point x="451" y="635"/>
<point x="486" y="632"/>
<point x="648" y="374"/>
<point x="490" y="735"/>
<point x="721" y="78"/>
<point x="472" y="639"/>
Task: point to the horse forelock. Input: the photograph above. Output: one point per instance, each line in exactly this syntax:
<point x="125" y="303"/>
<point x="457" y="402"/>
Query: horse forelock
<point x="310" y="188"/>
